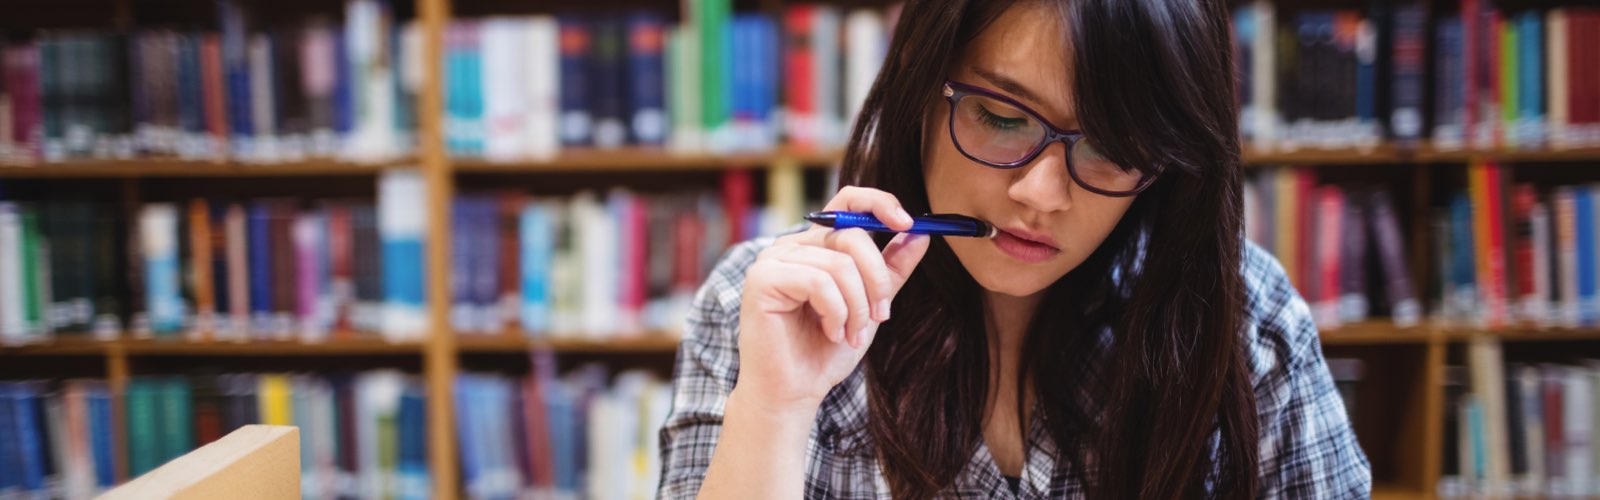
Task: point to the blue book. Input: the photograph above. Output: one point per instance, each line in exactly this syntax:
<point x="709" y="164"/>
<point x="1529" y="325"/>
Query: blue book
<point x="766" y="78"/>
<point x="344" y="115"/>
<point x="471" y="466"/>
<point x="159" y="225"/>
<point x="647" y="78"/>
<point x="177" y="417"/>
<point x="486" y="263"/>
<point x="412" y="466"/>
<point x="461" y="264"/>
<point x="236" y="69"/>
<point x="1530" y="77"/>
<point x="400" y="231"/>
<point x="739" y="68"/>
<point x="575" y="122"/>
<point x="30" y="438"/>
<point x="1583" y="204"/>
<point x="560" y="412"/>
<point x="259" y="245"/>
<point x="1449" y="107"/>
<point x="10" y="461"/>
<point x="608" y="59"/>
<point x="1408" y="38"/>
<point x="1479" y="451"/>
<point x="536" y="235"/>
<point x="191" y="106"/>
<point x="1462" y="270"/>
<point x="100" y="429"/>
<point x="1366" y="82"/>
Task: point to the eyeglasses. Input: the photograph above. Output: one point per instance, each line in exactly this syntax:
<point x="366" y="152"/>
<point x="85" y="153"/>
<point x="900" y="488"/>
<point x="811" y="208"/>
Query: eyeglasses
<point x="997" y="131"/>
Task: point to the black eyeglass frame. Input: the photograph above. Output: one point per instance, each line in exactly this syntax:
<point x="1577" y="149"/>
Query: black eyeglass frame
<point x="954" y="91"/>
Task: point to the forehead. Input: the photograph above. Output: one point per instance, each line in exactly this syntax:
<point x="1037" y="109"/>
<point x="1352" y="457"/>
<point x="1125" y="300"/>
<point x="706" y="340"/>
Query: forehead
<point x="1027" y="43"/>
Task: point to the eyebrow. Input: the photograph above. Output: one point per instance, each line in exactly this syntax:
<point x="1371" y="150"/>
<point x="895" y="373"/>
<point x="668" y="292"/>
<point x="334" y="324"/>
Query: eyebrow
<point x="1007" y="84"/>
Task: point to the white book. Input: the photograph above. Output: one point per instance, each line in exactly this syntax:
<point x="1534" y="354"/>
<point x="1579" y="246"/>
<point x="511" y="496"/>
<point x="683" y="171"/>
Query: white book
<point x="318" y="70"/>
<point x="261" y="100"/>
<point x="1263" y="76"/>
<point x="542" y="82"/>
<point x="372" y="82"/>
<point x="401" y="228"/>
<point x="505" y="75"/>
<point x="597" y="249"/>
<point x="825" y="75"/>
<point x="607" y="474"/>
<point x="1566" y="232"/>
<point x="1488" y="385"/>
<point x="1532" y="407"/>
<point x="1535" y="306"/>
<point x="619" y="204"/>
<point x="158" y="244"/>
<point x="1591" y="368"/>
<point x="1576" y="416"/>
<point x="307" y="232"/>
<point x="865" y="38"/>
<point x="413" y="77"/>
<point x="13" y="320"/>
<point x="377" y="396"/>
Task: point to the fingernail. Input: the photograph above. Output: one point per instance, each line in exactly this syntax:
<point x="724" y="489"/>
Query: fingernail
<point x="903" y="215"/>
<point x="882" y="312"/>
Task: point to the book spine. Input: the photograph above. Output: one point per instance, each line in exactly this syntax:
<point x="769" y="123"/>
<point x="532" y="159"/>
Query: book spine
<point x="1330" y="208"/>
<point x="537" y="232"/>
<point x="799" y="67"/>
<point x="200" y="269"/>
<point x="647" y="79"/>
<point x="1409" y="38"/>
<point x="1565" y="203"/>
<point x="158" y="234"/>
<point x="1353" y="304"/>
<point x="608" y="58"/>
<point x="400" y="226"/>
<point x="576" y="122"/>
<point x="1584" y="245"/>
<point x="1522" y="272"/>
<point x="1556" y="82"/>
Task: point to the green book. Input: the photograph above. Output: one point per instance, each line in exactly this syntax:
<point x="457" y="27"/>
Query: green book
<point x="711" y="18"/>
<point x="177" y="422"/>
<point x="683" y="85"/>
<point x="35" y="271"/>
<point x="1508" y="78"/>
<point x="142" y="422"/>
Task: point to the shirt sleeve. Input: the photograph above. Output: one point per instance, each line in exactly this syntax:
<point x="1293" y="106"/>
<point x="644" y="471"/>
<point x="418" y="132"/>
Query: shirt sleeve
<point x="1307" y="447"/>
<point x="707" y="366"/>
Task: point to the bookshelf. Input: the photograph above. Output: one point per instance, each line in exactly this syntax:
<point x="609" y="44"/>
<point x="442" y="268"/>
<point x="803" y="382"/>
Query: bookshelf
<point x="1403" y="424"/>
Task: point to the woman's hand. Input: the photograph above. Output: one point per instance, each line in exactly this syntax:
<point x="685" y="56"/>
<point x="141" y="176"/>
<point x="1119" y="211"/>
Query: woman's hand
<point x="813" y="301"/>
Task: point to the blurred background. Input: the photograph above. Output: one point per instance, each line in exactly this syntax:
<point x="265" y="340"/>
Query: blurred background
<point x="454" y="240"/>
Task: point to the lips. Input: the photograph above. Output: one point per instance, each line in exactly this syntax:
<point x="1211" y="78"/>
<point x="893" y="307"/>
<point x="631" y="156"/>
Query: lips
<point x="1026" y="246"/>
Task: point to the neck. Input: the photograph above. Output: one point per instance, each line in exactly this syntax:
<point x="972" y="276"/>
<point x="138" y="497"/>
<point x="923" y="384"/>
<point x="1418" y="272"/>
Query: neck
<point x="1007" y="318"/>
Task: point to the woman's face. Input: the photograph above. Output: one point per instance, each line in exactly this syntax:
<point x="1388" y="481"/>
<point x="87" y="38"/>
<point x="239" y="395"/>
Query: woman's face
<point x="1049" y="224"/>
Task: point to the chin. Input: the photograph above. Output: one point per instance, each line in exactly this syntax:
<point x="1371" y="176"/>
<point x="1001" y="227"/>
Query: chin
<point x="997" y="275"/>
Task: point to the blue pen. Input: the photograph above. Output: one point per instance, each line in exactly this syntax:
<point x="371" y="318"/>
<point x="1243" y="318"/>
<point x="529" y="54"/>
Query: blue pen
<point x="929" y="224"/>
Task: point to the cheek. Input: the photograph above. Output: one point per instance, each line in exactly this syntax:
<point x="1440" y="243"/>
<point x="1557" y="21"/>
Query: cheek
<point x="956" y="184"/>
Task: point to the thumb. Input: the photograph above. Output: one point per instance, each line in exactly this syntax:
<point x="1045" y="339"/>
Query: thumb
<point x="902" y="255"/>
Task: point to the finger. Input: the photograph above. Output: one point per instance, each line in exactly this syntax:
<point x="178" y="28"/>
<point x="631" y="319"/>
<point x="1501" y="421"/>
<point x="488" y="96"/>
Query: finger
<point x="804" y="284"/>
<point x="881" y="204"/>
<point x="846" y="277"/>
<point x="901" y="257"/>
<point x="869" y="262"/>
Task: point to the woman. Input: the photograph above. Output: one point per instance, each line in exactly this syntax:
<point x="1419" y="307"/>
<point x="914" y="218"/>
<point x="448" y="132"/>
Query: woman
<point x="1117" y="339"/>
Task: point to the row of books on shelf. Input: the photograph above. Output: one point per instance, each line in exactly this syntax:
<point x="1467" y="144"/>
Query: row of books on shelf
<point x="1520" y="429"/>
<point x="515" y="87"/>
<point x="1509" y="254"/>
<point x="593" y="266"/>
<point x="215" y="269"/>
<point x="363" y="435"/>
<point x="560" y="437"/>
<point x="1351" y="78"/>
<point x="281" y="93"/>
<point x="1341" y="246"/>
<point x="600" y="266"/>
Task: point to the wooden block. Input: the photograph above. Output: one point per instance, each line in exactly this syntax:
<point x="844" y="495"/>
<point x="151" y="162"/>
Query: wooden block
<point x="254" y="462"/>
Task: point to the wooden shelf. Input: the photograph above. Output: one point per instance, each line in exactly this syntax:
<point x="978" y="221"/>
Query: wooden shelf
<point x="1375" y="332"/>
<point x="1382" y="153"/>
<point x="637" y="159"/>
<point x="1525" y="334"/>
<point x="192" y="168"/>
<point x="1396" y="492"/>
<point x="650" y="343"/>
<point x="1422" y="153"/>
<point x="1428" y="154"/>
<point x="364" y="345"/>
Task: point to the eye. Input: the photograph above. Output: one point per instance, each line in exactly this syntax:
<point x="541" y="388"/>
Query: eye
<point x="1001" y="122"/>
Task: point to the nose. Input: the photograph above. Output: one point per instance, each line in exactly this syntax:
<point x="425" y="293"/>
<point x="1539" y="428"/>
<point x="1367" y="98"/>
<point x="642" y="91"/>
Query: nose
<point x="1044" y="184"/>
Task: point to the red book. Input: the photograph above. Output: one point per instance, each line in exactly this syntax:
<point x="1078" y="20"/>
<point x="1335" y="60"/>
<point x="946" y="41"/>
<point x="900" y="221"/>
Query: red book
<point x="799" y="66"/>
<point x="736" y="199"/>
<point x="1498" y="288"/>
<point x="538" y="435"/>
<point x="509" y="235"/>
<point x="1472" y="58"/>
<point x="21" y="68"/>
<point x="212" y="90"/>
<point x="200" y="246"/>
<point x="689" y="231"/>
<point x="1523" y="199"/>
<point x="340" y="269"/>
<point x="636" y="262"/>
<point x="1330" y="212"/>
<point x="1304" y="198"/>
<point x="1555" y="439"/>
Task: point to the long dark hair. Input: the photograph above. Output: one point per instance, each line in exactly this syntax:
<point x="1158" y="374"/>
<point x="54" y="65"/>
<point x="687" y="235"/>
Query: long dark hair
<point x="1162" y="406"/>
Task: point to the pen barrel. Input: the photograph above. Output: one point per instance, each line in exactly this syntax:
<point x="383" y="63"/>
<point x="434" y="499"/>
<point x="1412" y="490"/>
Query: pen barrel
<point x="919" y="225"/>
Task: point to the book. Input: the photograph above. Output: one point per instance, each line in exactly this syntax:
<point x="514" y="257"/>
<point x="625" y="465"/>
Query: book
<point x="400" y="227"/>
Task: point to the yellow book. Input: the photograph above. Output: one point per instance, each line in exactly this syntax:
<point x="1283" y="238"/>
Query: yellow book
<point x="1285" y="204"/>
<point x="1478" y="190"/>
<point x="274" y="399"/>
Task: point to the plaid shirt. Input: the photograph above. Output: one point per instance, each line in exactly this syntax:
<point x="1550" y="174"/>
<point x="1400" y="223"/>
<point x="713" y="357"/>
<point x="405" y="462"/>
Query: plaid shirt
<point x="1307" y="448"/>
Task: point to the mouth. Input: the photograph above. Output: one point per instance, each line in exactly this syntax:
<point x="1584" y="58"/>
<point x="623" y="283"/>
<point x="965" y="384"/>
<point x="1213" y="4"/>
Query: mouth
<point x="1026" y="246"/>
